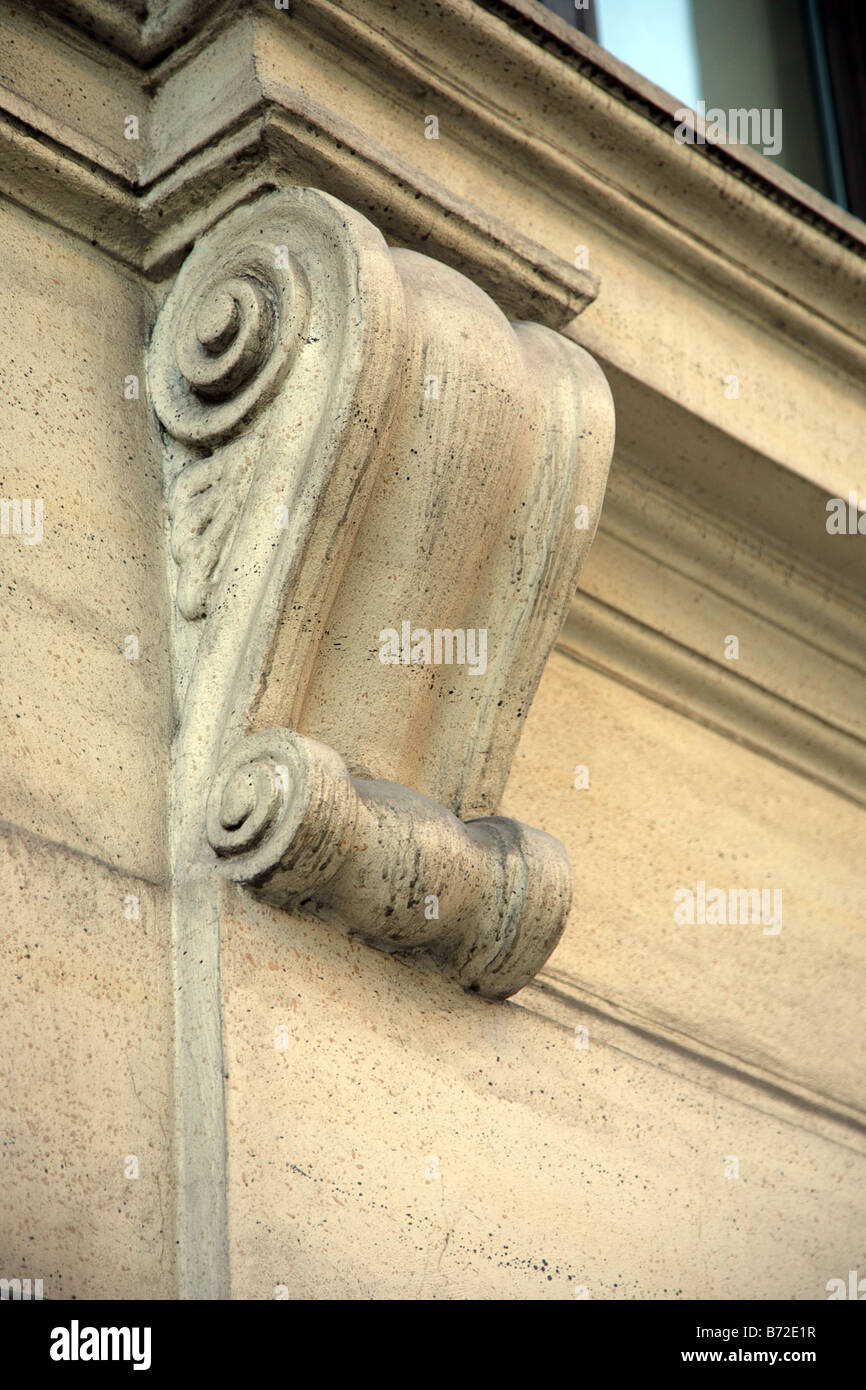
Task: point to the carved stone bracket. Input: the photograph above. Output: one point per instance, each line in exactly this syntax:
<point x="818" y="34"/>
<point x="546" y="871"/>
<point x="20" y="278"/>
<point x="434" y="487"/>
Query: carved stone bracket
<point x="382" y="493"/>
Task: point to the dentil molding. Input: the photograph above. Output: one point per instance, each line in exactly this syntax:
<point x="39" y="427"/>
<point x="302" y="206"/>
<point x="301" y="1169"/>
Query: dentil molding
<point x="382" y="493"/>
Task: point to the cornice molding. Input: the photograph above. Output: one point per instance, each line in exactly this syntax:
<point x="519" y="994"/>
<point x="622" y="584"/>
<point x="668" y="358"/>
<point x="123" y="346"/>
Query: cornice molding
<point x="545" y="29"/>
<point x="173" y="30"/>
<point x="141" y="29"/>
<point x="721" y="699"/>
<point x="669" y="578"/>
<point x="563" y="997"/>
<point x="710" y="214"/>
<point x="480" y="38"/>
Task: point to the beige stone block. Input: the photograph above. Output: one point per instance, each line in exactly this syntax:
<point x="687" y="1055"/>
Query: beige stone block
<point x="776" y="651"/>
<point x="409" y="1142"/>
<point x="86" y="1060"/>
<point x="670" y="803"/>
<point x="86" y="729"/>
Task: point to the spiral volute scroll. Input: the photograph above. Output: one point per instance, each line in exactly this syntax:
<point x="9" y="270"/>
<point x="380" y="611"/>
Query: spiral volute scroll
<point x="281" y="807"/>
<point x="286" y="818"/>
<point x="227" y="336"/>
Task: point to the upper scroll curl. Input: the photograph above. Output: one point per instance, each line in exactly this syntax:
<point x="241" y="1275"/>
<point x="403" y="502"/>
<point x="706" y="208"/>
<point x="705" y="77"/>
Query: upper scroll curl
<point x="226" y="338"/>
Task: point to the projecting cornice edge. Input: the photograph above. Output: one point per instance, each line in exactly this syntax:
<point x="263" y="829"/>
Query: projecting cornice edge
<point x="601" y="135"/>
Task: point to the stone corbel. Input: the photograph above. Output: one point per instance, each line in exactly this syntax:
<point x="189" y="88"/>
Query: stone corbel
<point x="382" y="493"/>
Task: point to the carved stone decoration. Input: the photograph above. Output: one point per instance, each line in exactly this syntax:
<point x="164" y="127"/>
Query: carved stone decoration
<point x="289" y="820"/>
<point x="382" y="495"/>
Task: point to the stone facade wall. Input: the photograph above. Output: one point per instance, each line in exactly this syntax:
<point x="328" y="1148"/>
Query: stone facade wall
<point x="208" y="1094"/>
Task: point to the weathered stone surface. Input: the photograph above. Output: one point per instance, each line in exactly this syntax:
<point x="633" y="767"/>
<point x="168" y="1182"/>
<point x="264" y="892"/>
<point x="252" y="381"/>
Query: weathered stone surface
<point x="86" y="1048"/>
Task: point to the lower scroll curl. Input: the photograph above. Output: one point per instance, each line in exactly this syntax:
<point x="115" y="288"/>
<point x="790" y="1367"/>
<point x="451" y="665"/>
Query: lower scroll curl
<point x="486" y="899"/>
